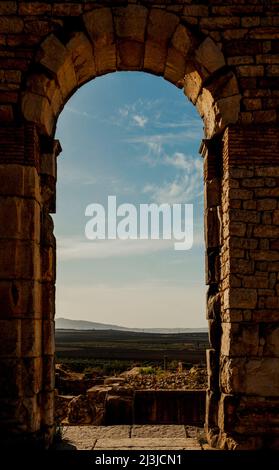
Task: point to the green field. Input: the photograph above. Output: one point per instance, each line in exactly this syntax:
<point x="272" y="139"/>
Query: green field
<point x="121" y="350"/>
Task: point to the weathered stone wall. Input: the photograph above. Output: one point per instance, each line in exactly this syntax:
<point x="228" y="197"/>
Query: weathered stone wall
<point x="241" y="194"/>
<point x="225" y="55"/>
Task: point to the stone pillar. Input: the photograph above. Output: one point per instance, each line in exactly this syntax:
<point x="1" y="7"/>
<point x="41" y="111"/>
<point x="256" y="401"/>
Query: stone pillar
<point x="50" y="149"/>
<point x="20" y="292"/>
<point x="248" y="361"/>
<point x="211" y="152"/>
<point x="25" y="364"/>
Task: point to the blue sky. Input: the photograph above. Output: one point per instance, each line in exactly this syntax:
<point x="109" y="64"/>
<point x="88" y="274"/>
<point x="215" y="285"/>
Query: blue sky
<point x="135" y="136"/>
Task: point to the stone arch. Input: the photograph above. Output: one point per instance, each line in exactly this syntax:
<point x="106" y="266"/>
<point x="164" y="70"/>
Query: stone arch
<point x="133" y="37"/>
<point x="48" y="50"/>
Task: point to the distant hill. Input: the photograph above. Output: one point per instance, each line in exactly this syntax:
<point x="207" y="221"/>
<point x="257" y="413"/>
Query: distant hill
<point x="66" y="324"/>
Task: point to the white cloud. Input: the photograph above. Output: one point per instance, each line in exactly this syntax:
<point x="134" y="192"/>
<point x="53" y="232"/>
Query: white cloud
<point x="140" y="120"/>
<point x="80" y="248"/>
<point x="72" y="110"/>
<point x="187" y="185"/>
<point x="165" y="138"/>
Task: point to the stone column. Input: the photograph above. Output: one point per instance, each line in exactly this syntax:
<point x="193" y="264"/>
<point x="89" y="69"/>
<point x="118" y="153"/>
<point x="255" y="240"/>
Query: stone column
<point x="211" y="152"/>
<point x="50" y="149"/>
<point x="20" y="290"/>
<point x="248" y="362"/>
<point x="26" y="347"/>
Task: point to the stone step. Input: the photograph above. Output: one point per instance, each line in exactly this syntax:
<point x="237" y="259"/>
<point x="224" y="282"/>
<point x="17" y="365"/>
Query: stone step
<point x="142" y="443"/>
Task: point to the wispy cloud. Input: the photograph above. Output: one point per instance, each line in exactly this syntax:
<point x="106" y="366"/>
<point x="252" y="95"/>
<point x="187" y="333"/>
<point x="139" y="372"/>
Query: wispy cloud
<point x="165" y="138"/>
<point x="184" y="189"/>
<point x="80" y="248"/>
<point x="187" y="184"/>
<point x="140" y="120"/>
<point x="73" y="110"/>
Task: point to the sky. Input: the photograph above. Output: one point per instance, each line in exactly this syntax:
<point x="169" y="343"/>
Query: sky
<point x="136" y="137"/>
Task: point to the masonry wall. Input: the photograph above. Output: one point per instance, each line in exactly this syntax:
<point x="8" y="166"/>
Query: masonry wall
<point x="225" y="56"/>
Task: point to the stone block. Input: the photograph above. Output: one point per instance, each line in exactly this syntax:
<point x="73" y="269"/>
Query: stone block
<point x="242" y="194"/>
<point x="31" y="337"/>
<point x="240" y="298"/>
<point x="154" y="58"/>
<point x="241" y="266"/>
<point x="10" y="378"/>
<point x="82" y="57"/>
<point x="48" y="259"/>
<point x="36" y="108"/>
<point x="32" y="375"/>
<point x="182" y="40"/>
<point x="130" y="55"/>
<point x="130" y="22"/>
<point x="259" y="280"/>
<point x="99" y="24"/>
<point x="240" y="339"/>
<point x="227" y="110"/>
<point x="34" y="8"/>
<point x="210" y="56"/>
<point x="254" y="416"/>
<point x="81" y="411"/>
<point x="48" y="337"/>
<point x="250" y="376"/>
<point x="47" y="408"/>
<point x="250" y="70"/>
<point x="175" y="67"/>
<point x="20" y="259"/>
<point x="48" y="373"/>
<point x="11" y="24"/>
<point x="19" y="218"/>
<point x="8" y="7"/>
<point x="68" y="9"/>
<point x="20" y="299"/>
<point x="19" y="180"/>
<point x="266" y="231"/>
<point x="161" y="26"/>
<point x="193" y="82"/>
<point x="119" y="409"/>
<point x="266" y="315"/>
<point x="10" y="345"/>
<point x="58" y="60"/>
<point x="241" y="215"/>
<point x="6" y="113"/>
<point x="48" y="300"/>
<point x="47" y="87"/>
<point x="31" y="413"/>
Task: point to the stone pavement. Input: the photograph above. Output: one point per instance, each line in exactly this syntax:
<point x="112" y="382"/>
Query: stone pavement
<point x="136" y="437"/>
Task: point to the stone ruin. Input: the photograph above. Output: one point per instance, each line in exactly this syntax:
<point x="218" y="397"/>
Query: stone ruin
<point x="225" y="56"/>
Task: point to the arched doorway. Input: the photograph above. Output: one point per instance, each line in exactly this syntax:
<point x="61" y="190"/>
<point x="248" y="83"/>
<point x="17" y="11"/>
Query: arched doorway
<point x="238" y="159"/>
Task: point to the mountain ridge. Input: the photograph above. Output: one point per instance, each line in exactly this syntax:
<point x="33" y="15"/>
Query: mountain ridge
<point x="67" y="324"/>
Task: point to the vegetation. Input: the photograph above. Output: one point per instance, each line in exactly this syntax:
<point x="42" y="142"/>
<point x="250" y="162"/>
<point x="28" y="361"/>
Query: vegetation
<point x="110" y="352"/>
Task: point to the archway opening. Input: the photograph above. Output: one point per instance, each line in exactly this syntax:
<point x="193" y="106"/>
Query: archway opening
<point x="133" y="137"/>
